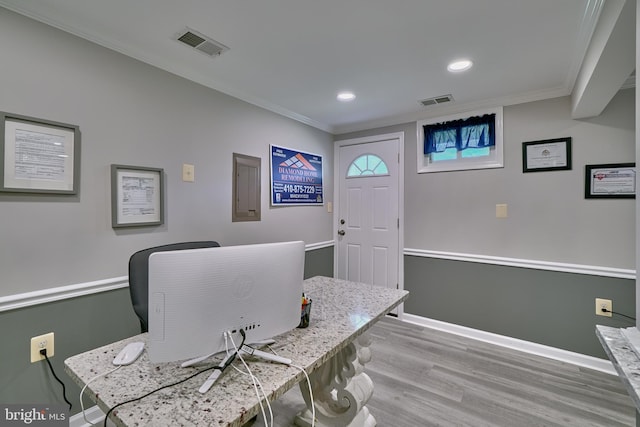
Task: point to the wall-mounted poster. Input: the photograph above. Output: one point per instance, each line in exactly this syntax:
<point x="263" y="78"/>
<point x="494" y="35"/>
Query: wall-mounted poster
<point x="296" y="177"/>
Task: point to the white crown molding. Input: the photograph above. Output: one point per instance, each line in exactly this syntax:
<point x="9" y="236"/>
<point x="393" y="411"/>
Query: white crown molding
<point x="452" y="108"/>
<point x="161" y="63"/>
<point x="589" y="20"/>
<point x="587" y="27"/>
<point x="526" y="263"/>
<point x="577" y="359"/>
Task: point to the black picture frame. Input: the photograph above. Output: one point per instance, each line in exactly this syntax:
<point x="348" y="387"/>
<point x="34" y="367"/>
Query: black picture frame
<point x="610" y="181"/>
<point x="546" y="155"/>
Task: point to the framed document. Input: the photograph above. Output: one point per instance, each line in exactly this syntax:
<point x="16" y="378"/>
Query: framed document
<point x="38" y="156"/>
<point x="610" y="181"/>
<point x="547" y="155"/>
<point x="137" y="196"/>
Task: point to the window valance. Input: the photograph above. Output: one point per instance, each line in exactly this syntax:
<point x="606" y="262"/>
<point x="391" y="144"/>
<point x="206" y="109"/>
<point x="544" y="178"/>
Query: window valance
<point x="473" y="132"/>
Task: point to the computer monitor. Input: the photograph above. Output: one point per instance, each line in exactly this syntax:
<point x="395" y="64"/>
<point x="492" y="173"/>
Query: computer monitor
<point x="195" y="295"/>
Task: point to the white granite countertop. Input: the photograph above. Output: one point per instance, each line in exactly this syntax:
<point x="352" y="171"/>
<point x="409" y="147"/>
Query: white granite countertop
<point x="340" y="312"/>
<point x="624" y="359"/>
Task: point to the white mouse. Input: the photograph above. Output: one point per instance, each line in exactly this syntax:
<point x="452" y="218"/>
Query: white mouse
<point x="129" y="354"/>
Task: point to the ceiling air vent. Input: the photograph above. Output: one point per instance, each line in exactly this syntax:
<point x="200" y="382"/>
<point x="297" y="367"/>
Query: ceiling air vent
<point x="436" y="100"/>
<point x="201" y="43"/>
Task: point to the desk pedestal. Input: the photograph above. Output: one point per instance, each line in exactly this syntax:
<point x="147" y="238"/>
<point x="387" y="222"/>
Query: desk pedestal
<point x="341" y="389"/>
<point x="333" y="352"/>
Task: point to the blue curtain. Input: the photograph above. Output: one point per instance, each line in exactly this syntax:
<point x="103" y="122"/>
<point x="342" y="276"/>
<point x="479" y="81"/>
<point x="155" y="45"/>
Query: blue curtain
<point x="474" y="132"/>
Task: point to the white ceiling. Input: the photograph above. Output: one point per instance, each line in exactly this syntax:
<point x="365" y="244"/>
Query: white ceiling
<point x="294" y="56"/>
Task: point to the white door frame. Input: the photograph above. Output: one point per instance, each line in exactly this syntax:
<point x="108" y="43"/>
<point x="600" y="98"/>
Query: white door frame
<point x="336" y="192"/>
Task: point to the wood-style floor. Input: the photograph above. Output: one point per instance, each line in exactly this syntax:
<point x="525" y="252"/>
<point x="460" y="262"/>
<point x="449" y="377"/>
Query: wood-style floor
<point x="425" y="377"/>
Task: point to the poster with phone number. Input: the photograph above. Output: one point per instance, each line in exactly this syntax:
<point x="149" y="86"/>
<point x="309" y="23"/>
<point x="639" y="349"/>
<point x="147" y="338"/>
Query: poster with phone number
<point x="296" y="177"/>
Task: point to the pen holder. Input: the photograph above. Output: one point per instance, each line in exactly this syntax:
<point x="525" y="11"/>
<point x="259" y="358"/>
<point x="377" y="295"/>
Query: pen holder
<point x="304" y="315"/>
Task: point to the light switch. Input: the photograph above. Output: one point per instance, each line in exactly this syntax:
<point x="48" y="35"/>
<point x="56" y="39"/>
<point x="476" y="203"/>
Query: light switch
<point x="501" y="211"/>
<point x="188" y="172"/>
<point x="329" y="207"/>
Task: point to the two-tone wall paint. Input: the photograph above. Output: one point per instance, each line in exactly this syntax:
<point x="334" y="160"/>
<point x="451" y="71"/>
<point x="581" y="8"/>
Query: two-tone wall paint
<point x="56" y="247"/>
<point x="131" y="113"/>
<point x="80" y="324"/>
<point x="535" y="275"/>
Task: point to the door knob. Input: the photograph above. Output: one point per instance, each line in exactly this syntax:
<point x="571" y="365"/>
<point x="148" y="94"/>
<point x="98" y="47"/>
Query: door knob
<point x="341" y="233"/>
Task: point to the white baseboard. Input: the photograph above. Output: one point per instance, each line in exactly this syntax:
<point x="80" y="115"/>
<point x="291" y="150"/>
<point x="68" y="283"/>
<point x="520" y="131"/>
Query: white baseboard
<point x="578" y="359"/>
<point x="93" y="414"/>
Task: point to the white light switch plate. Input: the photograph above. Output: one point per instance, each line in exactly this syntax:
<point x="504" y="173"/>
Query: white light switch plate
<point x="188" y="172"/>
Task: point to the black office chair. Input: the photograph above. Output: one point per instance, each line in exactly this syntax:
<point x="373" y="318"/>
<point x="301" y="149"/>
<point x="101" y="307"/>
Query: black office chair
<point x="139" y="276"/>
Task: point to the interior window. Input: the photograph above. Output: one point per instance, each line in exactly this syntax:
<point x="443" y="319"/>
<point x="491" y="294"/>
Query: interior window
<point x="367" y="165"/>
<point x="469" y="141"/>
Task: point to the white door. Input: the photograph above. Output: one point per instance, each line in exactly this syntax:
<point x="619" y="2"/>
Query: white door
<point x="368" y="212"/>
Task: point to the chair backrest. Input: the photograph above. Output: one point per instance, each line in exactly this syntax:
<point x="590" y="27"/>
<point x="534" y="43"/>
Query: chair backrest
<point x="139" y="276"/>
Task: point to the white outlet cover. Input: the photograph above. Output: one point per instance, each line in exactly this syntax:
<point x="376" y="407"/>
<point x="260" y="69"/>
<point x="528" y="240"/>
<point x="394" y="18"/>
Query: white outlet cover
<point x="607" y="304"/>
<point x="38" y="343"/>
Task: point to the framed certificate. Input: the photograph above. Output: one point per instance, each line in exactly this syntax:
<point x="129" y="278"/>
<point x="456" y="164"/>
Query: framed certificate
<point x="137" y="196"/>
<point x="38" y="156"/>
<point x="547" y="155"/>
<point x="610" y="181"/>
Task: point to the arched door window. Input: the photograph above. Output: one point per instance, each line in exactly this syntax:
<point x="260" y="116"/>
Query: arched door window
<point x="367" y="165"/>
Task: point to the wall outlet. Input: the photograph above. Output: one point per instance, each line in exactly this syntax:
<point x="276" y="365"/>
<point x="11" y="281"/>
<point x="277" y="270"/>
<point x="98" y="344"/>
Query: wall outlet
<point x="606" y="304"/>
<point x="41" y="342"/>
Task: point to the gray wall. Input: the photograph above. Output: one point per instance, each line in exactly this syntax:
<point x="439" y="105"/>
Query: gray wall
<point x="128" y="113"/>
<point x="131" y="113"/>
<point x="80" y="324"/>
<point x="319" y="262"/>
<point x="549" y="220"/>
<point x="545" y="307"/>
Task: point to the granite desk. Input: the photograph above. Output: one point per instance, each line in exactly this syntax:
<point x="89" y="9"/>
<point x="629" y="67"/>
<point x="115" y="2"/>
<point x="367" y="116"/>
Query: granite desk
<point x="333" y="350"/>
<point x="624" y="359"/>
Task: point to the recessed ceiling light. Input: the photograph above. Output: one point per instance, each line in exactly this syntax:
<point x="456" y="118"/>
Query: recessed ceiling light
<point x="461" y="65"/>
<point x="346" y="96"/>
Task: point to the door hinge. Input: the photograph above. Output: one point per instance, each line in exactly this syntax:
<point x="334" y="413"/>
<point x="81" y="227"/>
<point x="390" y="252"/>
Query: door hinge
<point x="398" y="223"/>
